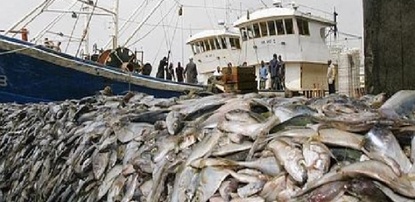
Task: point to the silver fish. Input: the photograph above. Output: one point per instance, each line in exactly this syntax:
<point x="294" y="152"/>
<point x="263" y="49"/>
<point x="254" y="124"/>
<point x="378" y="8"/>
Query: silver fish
<point x="291" y="158"/>
<point x="317" y="158"/>
<point x="380" y="144"/>
<point x="400" y="105"/>
<point x="370" y="169"/>
<point x="174" y="121"/>
<point x="116" y="188"/>
<point x="210" y="180"/>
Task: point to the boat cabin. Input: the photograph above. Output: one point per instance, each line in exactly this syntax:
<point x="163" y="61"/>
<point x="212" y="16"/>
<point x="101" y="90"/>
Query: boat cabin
<point x="299" y="37"/>
<point x="213" y="48"/>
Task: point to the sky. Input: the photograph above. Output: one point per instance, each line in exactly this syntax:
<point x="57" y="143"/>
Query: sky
<point x="165" y="30"/>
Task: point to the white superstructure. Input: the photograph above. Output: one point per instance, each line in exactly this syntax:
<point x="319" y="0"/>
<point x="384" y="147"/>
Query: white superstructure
<point x="213" y="48"/>
<point x="299" y="37"/>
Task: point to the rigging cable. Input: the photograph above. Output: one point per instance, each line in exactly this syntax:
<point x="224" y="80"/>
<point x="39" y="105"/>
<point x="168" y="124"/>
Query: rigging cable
<point x="154" y="27"/>
<point x="32" y="19"/>
<point x="50" y="25"/>
<point x="86" y="28"/>
<point x="122" y="29"/>
<point x="72" y="32"/>
<point x="174" y="34"/>
<point x="159" y="49"/>
<point x="145" y="19"/>
<point x="25" y="17"/>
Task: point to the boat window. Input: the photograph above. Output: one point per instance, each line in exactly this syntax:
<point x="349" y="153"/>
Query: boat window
<point x="234" y="43"/>
<point x="237" y="43"/>
<point x="264" y="30"/>
<point x="212" y="44"/>
<point x="257" y="33"/>
<point x="207" y="45"/>
<point x="217" y="43"/>
<point x="223" y="40"/>
<point x="280" y="27"/>
<point x="271" y="28"/>
<point x="197" y="48"/>
<point x="193" y="48"/>
<point x="303" y="28"/>
<point x="250" y="32"/>
<point x="289" y="26"/>
<point x="244" y="34"/>
<point x="202" y="46"/>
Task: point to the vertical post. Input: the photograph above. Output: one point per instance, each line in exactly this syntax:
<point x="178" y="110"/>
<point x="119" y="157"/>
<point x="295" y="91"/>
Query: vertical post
<point x="116" y="21"/>
<point x="86" y="31"/>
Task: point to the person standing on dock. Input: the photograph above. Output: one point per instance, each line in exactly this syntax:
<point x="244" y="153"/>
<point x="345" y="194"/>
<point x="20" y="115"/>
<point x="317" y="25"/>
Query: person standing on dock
<point x="170" y="72"/>
<point x="331" y="76"/>
<point x="273" y="70"/>
<point x="162" y="66"/>
<point x="263" y="74"/>
<point x="281" y="72"/>
<point x="179" y="72"/>
<point x="191" y="71"/>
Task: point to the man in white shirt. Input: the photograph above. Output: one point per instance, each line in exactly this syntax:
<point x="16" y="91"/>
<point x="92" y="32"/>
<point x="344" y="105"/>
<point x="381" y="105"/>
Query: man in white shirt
<point x="331" y="76"/>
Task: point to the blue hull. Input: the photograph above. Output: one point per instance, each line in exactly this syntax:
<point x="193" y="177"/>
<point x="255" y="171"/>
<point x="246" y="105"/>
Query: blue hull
<point x="36" y="74"/>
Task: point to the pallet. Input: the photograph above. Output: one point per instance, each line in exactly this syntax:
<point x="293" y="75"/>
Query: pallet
<point x="314" y="93"/>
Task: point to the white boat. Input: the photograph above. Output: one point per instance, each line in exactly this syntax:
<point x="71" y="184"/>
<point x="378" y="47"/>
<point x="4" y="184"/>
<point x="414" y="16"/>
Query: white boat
<point x="213" y="48"/>
<point x="299" y="37"/>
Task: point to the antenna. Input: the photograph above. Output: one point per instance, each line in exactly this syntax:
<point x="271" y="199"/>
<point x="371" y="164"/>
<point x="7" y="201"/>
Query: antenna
<point x="335" y="14"/>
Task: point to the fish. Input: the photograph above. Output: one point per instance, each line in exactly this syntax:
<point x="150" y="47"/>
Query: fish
<point x="370" y="169"/>
<point x="380" y="143"/>
<point x="289" y="111"/>
<point x="400" y="105"/>
<point x="210" y="180"/>
<point x="317" y="159"/>
<point x="291" y="158"/>
<point x="366" y="190"/>
<point x="329" y="192"/>
<point x="174" y="121"/>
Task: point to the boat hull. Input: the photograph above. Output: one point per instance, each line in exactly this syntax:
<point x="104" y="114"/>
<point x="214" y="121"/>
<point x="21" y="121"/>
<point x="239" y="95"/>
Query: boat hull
<point x="30" y="73"/>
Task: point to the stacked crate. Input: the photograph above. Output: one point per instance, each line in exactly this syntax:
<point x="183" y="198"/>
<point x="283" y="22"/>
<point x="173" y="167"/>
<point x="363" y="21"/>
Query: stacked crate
<point x="349" y="73"/>
<point x="239" y="79"/>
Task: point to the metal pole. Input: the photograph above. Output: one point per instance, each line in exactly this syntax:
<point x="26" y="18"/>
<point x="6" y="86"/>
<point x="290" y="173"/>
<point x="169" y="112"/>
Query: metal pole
<point x="116" y="21"/>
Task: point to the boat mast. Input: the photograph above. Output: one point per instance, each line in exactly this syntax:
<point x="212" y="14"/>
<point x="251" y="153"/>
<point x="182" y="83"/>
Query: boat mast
<point x="116" y="24"/>
<point x="86" y="31"/>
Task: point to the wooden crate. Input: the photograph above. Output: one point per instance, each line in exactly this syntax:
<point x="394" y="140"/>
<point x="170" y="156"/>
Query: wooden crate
<point x="238" y="74"/>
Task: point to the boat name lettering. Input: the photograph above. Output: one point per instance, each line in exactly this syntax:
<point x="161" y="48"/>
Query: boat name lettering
<point x="3" y="80"/>
<point x="268" y="41"/>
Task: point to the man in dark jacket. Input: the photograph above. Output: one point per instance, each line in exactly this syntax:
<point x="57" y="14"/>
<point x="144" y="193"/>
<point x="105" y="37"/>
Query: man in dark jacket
<point x="191" y="71"/>
<point x="179" y="72"/>
<point x="273" y="70"/>
<point x="161" y="68"/>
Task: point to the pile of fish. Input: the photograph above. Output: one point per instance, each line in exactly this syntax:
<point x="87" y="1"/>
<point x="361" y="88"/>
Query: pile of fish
<point x="216" y="148"/>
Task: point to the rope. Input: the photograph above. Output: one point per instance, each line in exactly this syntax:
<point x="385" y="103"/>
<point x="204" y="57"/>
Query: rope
<point x="50" y="25"/>
<point x="145" y="20"/>
<point x="86" y="28"/>
<point x="16" y="50"/>
<point x="41" y="11"/>
<point x="72" y="32"/>
<point x="12" y="51"/>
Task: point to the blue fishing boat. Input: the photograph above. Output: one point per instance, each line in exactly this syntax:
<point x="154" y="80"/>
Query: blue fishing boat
<point x="30" y="72"/>
<point x="34" y="73"/>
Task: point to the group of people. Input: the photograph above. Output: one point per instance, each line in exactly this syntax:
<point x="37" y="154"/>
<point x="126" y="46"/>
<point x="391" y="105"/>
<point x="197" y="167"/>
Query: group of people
<point x="276" y="72"/>
<point x="179" y="74"/>
<point x="51" y="45"/>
